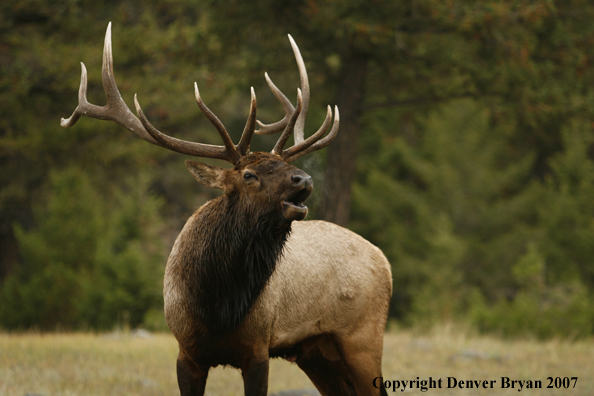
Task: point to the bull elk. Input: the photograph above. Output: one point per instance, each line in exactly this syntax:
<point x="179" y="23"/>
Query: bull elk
<point x="245" y="281"/>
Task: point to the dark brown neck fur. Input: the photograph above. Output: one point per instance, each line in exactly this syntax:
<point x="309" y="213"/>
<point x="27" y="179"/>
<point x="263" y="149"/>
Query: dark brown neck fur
<point x="236" y="247"/>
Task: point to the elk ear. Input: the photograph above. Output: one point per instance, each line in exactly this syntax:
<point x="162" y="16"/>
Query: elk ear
<point x="208" y="175"/>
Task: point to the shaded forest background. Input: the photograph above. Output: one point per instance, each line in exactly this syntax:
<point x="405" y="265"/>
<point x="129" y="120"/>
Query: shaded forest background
<point x="465" y="151"/>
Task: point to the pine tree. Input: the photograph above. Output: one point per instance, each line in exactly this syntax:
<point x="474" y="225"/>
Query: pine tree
<point x="449" y="208"/>
<point x="94" y="260"/>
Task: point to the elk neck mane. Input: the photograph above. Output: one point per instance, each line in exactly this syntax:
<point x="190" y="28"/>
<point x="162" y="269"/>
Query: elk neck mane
<point x="235" y="250"/>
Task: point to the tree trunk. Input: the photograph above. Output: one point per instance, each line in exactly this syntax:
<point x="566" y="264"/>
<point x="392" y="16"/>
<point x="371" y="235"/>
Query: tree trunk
<point x="8" y="251"/>
<point x="342" y="152"/>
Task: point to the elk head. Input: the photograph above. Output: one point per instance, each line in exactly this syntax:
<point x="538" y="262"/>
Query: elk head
<point x="260" y="176"/>
<point x="266" y="180"/>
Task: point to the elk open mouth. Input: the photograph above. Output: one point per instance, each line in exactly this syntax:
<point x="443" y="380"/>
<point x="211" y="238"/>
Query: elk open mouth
<point x="293" y="207"/>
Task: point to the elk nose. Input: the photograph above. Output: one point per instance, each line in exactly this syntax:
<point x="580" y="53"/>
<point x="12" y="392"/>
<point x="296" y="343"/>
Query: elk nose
<point x="303" y="180"/>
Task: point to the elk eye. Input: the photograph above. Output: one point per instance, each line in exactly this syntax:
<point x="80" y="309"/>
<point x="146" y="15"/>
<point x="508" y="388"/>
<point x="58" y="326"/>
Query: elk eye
<point x="248" y="176"/>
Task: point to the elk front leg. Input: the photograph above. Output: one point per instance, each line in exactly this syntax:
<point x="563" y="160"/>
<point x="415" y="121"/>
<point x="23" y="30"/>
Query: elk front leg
<point x="191" y="379"/>
<point x="255" y="377"/>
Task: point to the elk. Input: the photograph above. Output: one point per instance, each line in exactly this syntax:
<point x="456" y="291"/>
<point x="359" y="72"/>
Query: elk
<point x="246" y="280"/>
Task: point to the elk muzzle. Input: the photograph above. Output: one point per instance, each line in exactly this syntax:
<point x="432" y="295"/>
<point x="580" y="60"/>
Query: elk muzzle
<point x="301" y="188"/>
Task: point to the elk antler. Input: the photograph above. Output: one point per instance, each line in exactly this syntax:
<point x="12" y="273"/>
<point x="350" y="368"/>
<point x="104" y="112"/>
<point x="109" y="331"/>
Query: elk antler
<point x="117" y="110"/>
<point x="302" y="146"/>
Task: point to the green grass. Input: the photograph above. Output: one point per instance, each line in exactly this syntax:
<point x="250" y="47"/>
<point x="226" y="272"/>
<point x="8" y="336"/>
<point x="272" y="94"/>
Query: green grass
<point x="122" y="364"/>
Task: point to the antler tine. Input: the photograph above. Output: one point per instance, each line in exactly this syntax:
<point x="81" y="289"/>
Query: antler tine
<point x="288" y="153"/>
<point x="268" y="129"/>
<point x="82" y="100"/>
<point x="248" y="132"/>
<point x="282" y="140"/>
<point x="299" y="132"/>
<point x="182" y="146"/>
<point x="320" y="144"/>
<point x="115" y="109"/>
<point x="302" y="146"/>
<point x="214" y="120"/>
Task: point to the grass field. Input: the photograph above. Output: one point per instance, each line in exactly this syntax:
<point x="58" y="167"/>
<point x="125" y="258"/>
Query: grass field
<point x="125" y="364"/>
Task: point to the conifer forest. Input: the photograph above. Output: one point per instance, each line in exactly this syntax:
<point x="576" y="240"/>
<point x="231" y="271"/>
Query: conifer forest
<point x="465" y="151"/>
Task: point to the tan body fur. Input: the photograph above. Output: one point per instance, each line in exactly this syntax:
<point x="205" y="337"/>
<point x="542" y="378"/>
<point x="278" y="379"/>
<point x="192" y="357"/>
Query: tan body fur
<point x="329" y="294"/>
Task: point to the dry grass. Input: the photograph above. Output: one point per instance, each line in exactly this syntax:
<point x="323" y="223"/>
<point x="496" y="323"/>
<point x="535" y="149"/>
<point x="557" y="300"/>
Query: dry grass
<point x="451" y="353"/>
<point x="122" y="364"/>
